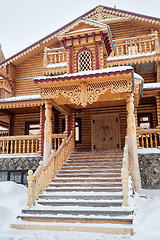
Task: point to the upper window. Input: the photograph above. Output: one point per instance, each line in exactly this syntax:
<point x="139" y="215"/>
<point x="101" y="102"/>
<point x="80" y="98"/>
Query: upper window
<point x="84" y="61"/>
<point x="32" y="128"/>
<point x="145" y="121"/>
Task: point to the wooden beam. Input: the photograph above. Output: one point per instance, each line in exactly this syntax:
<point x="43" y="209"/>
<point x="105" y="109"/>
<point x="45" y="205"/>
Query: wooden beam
<point x="63" y="109"/>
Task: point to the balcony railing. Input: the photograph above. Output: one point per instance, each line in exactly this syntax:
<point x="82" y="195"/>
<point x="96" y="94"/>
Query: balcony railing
<point x="149" y="138"/>
<point x="55" y="61"/>
<point x="57" y="140"/>
<point x="136" y="46"/>
<point x="20" y="144"/>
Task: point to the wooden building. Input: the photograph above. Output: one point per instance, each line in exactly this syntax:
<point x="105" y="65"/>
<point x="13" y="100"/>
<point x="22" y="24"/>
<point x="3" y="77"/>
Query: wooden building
<point x="93" y="85"/>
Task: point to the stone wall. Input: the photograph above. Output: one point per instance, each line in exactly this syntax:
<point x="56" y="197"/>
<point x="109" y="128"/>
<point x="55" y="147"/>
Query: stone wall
<point x="150" y="170"/>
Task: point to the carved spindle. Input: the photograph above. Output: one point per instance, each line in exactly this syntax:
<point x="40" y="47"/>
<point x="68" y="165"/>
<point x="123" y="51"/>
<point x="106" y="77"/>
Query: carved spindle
<point x="15" y="147"/>
<point x="140" y="48"/>
<point x="136" y="48"/>
<point x="55" y="144"/>
<point x="122" y="50"/>
<point x="32" y="146"/>
<point x="11" y="146"/>
<point x="145" y="47"/>
<point x="150" y="46"/>
<point x="127" y="49"/>
<point x="59" y="142"/>
<point x="4" y="146"/>
<point x="28" y="146"/>
<point x="146" y="140"/>
<point x="24" y="143"/>
<point x="151" y="140"/>
<point x="131" y="49"/>
<point x="155" y="139"/>
<point x="157" y="48"/>
<point x="19" y="146"/>
<point x="7" y="146"/>
<point x="142" y="141"/>
<point x="117" y="51"/>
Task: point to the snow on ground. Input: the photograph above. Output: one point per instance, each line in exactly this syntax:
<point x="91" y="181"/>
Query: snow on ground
<point x="13" y="199"/>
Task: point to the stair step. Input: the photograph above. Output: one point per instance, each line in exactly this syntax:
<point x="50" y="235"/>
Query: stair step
<point x="89" y="171"/>
<point x="100" y="175"/>
<point x="51" y="189"/>
<point x="80" y="203"/>
<point x="84" y="185"/>
<point x="74" y="219"/>
<point x="82" y="197"/>
<point x="72" y="179"/>
<point x="77" y="212"/>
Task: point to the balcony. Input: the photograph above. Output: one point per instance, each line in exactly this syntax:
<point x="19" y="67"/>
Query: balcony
<point x="149" y="138"/>
<point x="55" y="61"/>
<point x="130" y="50"/>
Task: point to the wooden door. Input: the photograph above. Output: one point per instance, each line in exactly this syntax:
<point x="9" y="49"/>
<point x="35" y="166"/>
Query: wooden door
<point x="105" y="132"/>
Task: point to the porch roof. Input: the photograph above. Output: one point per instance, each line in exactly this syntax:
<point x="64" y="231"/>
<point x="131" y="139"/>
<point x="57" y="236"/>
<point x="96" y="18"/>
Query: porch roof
<point x="151" y="86"/>
<point x="85" y="74"/>
<point x="21" y="98"/>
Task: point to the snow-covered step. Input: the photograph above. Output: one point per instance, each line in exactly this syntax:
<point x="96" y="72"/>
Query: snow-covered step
<point x="81" y="184"/>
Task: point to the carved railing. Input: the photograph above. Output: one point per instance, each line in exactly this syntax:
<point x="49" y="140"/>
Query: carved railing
<point x="125" y="174"/>
<point x="149" y="138"/>
<point x="55" y="61"/>
<point x="20" y="144"/>
<point x="4" y="133"/>
<point x="38" y="181"/>
<point x="57" y="140"/>
<point x="136" y="45"/>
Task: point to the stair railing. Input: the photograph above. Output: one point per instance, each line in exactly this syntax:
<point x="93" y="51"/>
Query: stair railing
<point x="125" y="173"/>
<point x="39" y="180"/>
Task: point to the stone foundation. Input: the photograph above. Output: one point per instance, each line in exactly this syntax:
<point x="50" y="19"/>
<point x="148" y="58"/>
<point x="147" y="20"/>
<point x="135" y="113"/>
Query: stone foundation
<point x="149" y="165"/>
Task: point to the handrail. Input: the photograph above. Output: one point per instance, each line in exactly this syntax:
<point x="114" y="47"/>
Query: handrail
<point x="57" y="139"/>
<point x="125" y="174"/>
<point x="20" y="144"/>
<point x="38" y="181"/>
<point x="148" y="138"/>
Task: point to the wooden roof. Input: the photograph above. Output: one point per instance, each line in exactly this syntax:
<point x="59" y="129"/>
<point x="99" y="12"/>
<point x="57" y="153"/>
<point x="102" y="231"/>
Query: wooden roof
<point x="99" y="13"/>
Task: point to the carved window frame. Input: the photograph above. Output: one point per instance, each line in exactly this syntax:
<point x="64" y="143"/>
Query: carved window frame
<point x="91" y="58"/>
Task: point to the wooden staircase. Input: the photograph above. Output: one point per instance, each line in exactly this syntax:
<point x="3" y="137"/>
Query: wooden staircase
<point x="87" y="191"/>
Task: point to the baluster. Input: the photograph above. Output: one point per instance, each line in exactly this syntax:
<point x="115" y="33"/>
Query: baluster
<point x="150" y="46"/>
<point x="151" y="140"/>
<point x="28" y="146"/>
<point x="11" y="146"/>
<point x="136" y="48"/>
<point x="146" y="140"/>
<point x="145" y="47"/>
<point x="122" y="50"/>
<point x="140" y="48"/>
<point x="7" y="146"/>
<point x="142" y="141"/>
<point x="24" y="143"/>
<point x="126" y="49"/>
<point x="36" y="145"/>
<point x="15" y="147"/>
<point x="59" y="142"/>
<point x="59" y="57"/>
<point x="55" y="145"/>
<point x="20" y="146"/>
<point x="30" y="188"/>
<point x="155" y="139"/>
<point x="117" y="51"/>
<point x="4" y="146"/>
<point x="32" y="146"/>
<point x="131" y="49"/>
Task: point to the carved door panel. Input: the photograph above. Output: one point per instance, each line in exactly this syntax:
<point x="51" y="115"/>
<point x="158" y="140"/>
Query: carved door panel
<point x="105" y="132"/>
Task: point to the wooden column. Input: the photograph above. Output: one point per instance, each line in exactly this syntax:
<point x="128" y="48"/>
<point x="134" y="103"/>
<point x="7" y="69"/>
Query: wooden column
<point x="73" y="126"/>
<point x="47" y="130"/>
<point x="42" y="122"/>
<point x="132" y="143"/>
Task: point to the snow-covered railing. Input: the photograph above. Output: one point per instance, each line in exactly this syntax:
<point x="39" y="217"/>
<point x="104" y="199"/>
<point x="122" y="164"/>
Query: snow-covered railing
<point x="136" y="45"/>
<point x="55" y="61"/>
<point x="125" y="174"/>
<point x="20" y="144"/>
<point x="148" y="138"/>
<point x="38" y="181"/>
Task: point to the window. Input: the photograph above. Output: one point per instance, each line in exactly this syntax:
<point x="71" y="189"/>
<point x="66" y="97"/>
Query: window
<point x="145" y="121"/>
<point x="84" y="61"/>
<point x="78" y="130"/>
<point x="32" y="128"/>
<point x="63" y="125"/>
<point x="14" y="176"/>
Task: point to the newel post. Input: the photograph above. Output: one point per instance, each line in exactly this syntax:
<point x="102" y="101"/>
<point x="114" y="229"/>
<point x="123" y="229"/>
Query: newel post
<point x="132" y="143"/>
<point x="48" y="130"/>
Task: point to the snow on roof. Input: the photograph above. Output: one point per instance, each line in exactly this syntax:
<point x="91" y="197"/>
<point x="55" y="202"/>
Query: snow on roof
<point x="131" y="56"/>
<point x="84" y="73"/>
<point x="1" y="78"/>
<point x="21" y="98"/>
<point x="151" y="86"/>
<point x="57" y="65"/>
<point x="3" y="129"/>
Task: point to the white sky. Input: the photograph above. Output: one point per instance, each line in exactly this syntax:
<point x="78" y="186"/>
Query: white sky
<point x="23" y="22"/>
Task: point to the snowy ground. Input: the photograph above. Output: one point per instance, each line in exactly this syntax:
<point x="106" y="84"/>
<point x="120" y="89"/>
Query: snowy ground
<point x="13" y="199"/>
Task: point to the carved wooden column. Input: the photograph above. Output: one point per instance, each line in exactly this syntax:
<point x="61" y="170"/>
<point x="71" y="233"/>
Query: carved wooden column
<point x="48" y="130"/>
<point x="42" y="121"/>
<point x="132" y="143"/>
